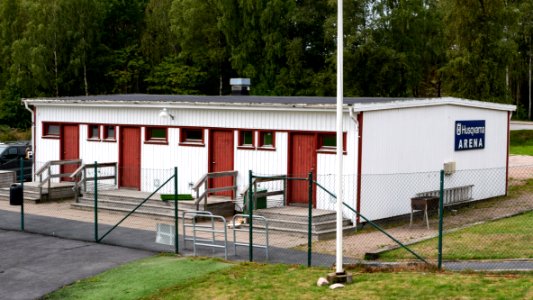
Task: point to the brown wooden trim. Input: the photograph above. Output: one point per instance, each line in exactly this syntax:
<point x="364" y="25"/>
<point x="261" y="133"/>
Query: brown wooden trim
<point x="260" y="145"/>
<point x="44" y="131"/>
<point x="89" y="138"/>
<point x="183" y="137"/>
<point x="155" y="141"/>
<point x="105" y="138"/>
<point x="359" y="164"/>
<point x="240" y="139"/>
<point x="508" y="145"/>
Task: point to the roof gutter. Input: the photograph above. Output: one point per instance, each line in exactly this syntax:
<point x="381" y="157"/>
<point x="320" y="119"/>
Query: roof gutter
<point x="432" y="102"/>
<point x="190" y="105"/>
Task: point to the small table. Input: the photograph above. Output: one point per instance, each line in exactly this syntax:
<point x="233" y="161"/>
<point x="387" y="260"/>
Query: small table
<point x="424" y="203"/>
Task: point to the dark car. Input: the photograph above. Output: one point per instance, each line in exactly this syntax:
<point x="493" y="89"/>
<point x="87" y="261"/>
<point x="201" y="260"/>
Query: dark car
<point x="10" y="155"/>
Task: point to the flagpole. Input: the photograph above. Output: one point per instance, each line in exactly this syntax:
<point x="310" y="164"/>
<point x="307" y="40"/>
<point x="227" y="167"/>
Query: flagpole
<point x="338" y="180"/>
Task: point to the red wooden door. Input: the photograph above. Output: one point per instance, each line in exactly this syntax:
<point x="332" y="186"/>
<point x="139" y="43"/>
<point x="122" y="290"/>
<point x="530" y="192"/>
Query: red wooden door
<point x="302" y="159"/>
<point x="69" y="148"/>
<point x="130" y="157"/>
<point x="221" y="159"/>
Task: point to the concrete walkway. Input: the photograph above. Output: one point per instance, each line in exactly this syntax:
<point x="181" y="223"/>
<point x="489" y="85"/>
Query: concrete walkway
<point x="33" y="265"/>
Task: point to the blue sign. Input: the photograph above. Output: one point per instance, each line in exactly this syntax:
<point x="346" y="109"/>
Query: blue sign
<point x="469" y="135"/>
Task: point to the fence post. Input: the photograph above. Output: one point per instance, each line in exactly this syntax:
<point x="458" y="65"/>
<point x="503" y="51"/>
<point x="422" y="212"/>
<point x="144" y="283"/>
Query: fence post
<point x="310" y="218"/>
<point x="21" y="178"/>
<point x="250" y="214"/>
<point x="96" y="202"/>
<point x="441" y="216"/>
<point x="176" y="237"/>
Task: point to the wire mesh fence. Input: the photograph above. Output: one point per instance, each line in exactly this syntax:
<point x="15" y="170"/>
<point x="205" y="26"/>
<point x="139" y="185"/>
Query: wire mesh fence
<point x="487" y="215"/>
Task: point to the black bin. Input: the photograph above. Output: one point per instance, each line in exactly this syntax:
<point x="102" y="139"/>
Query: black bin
<point x="15" y="194"/>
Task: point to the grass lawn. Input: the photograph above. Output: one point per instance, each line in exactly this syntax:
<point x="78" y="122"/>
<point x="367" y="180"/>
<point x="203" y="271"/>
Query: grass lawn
<point x="139" y="279"/>
<point x="192" y="280"/>
<point x="505" y="238"/>
<point x="521" y="142"/>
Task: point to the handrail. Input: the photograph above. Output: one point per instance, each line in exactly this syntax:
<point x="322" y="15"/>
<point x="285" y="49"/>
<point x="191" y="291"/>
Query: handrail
<point x="204" y="180"/>
<point x="259" y="179"/>
<point x="82" y="170"/>
<point x="48" y="167"/>
<point x="43" y="168"/>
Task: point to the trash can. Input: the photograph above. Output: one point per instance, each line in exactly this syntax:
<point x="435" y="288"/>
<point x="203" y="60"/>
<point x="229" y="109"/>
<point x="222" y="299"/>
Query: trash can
<point x="15" y="194"/>
<point x="261" y="202"/>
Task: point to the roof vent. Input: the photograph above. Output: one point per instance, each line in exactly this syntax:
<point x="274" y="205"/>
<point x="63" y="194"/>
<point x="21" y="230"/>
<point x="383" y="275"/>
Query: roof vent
<point x="240" y="86"/>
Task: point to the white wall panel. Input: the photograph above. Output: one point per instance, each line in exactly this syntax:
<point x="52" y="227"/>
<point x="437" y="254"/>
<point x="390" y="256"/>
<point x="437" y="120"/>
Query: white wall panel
<point x="401" y="146"/>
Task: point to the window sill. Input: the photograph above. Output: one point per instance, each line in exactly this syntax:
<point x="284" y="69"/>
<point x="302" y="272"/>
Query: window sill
<point x="93" y="140"/>
<point x="266" y="148"/>
<point x="109" y="140"/>
<point x="156" y="142"/>
<point x="55" y="137"/>
<point x="330" y="151"/>
<point x="192" y="144"/>
<point x="246" y="147"/>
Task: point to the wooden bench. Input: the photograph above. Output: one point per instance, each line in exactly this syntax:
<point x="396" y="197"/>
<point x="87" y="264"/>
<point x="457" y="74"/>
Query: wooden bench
<point x="430" y="200"/>
<point x="452" y="195"/>
<point x="423" y="203"/>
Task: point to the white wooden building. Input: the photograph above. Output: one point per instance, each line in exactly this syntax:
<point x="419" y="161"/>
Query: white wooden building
<point x="384" y="138"/>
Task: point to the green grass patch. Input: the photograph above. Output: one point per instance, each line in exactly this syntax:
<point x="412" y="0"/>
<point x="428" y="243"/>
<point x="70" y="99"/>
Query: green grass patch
<point x="139" y="279"/>
<point x="521" y="142"/>
<point x="181" y="197"/>
<point x="174" y="278"/>
<point x="502" y="239"/>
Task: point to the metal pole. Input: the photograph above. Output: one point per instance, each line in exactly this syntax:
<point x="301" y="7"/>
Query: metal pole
<point x="250" y="214"/>
<point x="310" y="219"/>
<point x="21" y="178"/>
<point x="176" y="237"/>
<point x="338" y="185"/>
<point x="96" y="202"/>
<point x="441" y="210"/>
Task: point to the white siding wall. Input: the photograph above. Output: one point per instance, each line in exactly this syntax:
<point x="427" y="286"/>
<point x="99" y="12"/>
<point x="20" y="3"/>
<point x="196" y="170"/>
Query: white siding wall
<point x="158" y="160"/>
<point x="414" y="143"/>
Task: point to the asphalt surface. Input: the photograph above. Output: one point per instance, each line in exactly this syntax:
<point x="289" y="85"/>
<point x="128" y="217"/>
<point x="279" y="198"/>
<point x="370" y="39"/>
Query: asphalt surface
<point x="58" y="252"/>
<point x="33" y="265"/>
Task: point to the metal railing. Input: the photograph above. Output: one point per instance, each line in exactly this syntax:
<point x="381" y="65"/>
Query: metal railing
<point x="204" y="181"/>
<point x="80" y="175"/>
<point x="49" y="174"/>
<point x="236" y="228"/>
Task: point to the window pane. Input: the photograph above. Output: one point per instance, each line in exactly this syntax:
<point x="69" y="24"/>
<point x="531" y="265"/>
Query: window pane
<point x="93" y="132"/>
<point x="193" y="135"/>
<point x="329" y="140"/>
<point x="157" y="133"/>
<point x="52" y="130"/>
<point x="247" y="138"/>
<point x="110" y="132"/>
<point x="267" y="138"/>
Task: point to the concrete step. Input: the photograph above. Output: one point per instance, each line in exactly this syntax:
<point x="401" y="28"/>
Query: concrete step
<point x="156" y="208"/>
<point x="299" y="215"/>
<point x="148" y="212"/>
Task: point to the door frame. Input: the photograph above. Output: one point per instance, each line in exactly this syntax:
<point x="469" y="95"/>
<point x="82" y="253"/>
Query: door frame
<point x="314" y="161"/>
<point x="210" y="154"/>
<point x="62" y="147"/>
<point x="120" y="154"/>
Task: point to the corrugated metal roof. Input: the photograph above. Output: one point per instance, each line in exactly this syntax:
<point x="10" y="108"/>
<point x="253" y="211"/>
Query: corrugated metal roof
<point x="263" y="102"/>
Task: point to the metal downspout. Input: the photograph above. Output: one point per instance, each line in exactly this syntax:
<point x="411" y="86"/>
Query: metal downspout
<point x="32" y="138"/>
<point x="354" y="119"/>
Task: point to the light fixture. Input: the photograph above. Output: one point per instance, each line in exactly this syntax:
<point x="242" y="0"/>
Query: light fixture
<point x="163" y="113"/>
